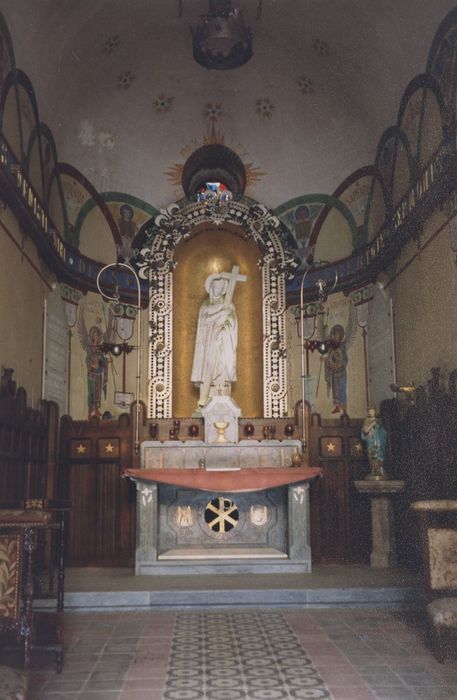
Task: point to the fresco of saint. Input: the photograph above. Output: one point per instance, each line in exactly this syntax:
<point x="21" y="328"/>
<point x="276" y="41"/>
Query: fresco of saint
<point x="335" y="370"/>
<point x="97" y="363"/>
<point x="336" y="361"/>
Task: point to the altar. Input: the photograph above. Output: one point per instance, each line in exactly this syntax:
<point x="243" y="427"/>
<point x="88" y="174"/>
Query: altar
<point x="211" y="501"/>
<point x="235" y="508"/>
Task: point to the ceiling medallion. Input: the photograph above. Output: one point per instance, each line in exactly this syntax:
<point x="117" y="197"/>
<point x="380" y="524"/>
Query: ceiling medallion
<point x="222" y="40"/>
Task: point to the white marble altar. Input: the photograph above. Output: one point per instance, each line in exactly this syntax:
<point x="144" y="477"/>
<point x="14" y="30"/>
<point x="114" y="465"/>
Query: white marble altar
<point x="278" y="543"/>
<point x="191" y="454"/>
<point x="271" y="532"/>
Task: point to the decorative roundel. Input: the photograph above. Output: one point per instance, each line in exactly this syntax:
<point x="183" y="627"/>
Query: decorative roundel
<point x="221" y="514"/>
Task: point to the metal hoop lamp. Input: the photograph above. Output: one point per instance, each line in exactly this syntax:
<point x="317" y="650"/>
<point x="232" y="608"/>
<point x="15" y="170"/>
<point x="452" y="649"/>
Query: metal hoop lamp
<point x="322" y="296"/>
<point x="138" y="339"/>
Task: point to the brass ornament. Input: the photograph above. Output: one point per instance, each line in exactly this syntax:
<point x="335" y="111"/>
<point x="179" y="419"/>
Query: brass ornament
<point x="258" y="515"/>
<point x="221" y="514"/>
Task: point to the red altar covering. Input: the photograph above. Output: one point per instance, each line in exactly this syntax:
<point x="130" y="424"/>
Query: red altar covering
<point x="227" y="480"/>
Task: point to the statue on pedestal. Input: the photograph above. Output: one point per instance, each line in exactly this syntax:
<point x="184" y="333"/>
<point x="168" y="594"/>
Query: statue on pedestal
<point x="214" y="364"/>
<point x="374" y="434"/>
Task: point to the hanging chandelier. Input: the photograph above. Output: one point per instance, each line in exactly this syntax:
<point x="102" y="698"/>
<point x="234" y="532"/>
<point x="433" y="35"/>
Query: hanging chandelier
<point x="222" y="40"/>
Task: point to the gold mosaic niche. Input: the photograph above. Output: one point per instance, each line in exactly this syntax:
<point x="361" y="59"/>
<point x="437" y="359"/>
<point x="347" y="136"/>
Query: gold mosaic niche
<point x="216" y="249"/>
<point x="252" y="223"/>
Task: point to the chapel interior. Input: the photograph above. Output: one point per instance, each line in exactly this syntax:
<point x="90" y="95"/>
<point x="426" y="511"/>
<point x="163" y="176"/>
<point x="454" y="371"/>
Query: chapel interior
<point x="228" y="360"/>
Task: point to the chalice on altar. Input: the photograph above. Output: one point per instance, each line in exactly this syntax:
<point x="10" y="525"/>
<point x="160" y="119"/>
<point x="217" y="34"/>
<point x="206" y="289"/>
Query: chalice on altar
<point x="221" y="427"/>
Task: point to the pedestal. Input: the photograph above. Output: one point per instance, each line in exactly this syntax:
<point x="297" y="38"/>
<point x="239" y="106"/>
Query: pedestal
<point x="221" y="409"/>
<point x="383" y="553"/>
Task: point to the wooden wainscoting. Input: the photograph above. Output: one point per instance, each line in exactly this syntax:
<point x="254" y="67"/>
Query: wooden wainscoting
<point x="28" y="444"/>
<point x="340" y="517"/>
<point x="102" y="522"/>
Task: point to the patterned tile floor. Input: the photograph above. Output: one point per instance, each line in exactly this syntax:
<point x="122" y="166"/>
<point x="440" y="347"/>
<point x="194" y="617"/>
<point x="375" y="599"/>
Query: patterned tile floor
<point x="359" y="654"/>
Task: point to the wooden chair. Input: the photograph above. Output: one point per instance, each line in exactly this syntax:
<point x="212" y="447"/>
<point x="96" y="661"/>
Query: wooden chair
<point x="13" y="618"/>
<point x="439" y="523"/>
<point x="18" y="538"/>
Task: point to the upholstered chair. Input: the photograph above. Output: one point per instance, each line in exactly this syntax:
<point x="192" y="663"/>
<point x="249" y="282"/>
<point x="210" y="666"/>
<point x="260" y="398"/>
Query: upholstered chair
<point x="13" y="683"/>
<point x="439" y="520"/>
<point x="37" y="630"/>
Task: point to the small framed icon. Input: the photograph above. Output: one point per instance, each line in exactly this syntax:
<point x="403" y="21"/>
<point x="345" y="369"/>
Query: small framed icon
<point x="123" y="398"/>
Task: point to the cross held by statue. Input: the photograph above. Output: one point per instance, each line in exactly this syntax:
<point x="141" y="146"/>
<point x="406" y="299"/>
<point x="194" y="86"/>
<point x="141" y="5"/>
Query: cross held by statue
<point x="233" y="277"/>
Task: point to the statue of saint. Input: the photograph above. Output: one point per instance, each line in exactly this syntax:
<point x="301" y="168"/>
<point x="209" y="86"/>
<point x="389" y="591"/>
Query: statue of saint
<point x="374" y="434"/>
<point x="214" y="365"/>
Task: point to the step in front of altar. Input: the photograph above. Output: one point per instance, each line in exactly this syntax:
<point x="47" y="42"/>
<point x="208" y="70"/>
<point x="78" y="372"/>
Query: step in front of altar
<point x="210" y="553"/>
<point x="330" y="585"/>
<point x="182" y="563"/>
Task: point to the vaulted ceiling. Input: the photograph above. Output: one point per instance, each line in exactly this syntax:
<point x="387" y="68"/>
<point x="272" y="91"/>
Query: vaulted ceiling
<point x="117" y="84"/>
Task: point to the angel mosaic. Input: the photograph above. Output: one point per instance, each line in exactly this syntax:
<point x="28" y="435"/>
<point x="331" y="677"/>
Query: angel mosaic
<point x="97" y="362"/>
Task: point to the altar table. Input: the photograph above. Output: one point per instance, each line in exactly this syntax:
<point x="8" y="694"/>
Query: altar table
<point x="266" y="508"/>
<point x="226" y="480"/>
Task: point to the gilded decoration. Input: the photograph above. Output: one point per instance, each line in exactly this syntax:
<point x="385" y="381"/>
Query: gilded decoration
<point x="258" y="515"/>
<point x="209" y="251"/>
<point x="276" y="262"/>
<point x="9" y="575"/>
<point x="221" y="514"/>
<point x="184" y="516"/>
<point x="108" y="447"/>
<point x="331" y="446"/>
<point x="214" y="136"/>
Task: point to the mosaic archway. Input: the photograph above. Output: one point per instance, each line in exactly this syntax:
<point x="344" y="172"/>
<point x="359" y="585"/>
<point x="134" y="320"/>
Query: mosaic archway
<point x="156" y="264"/>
